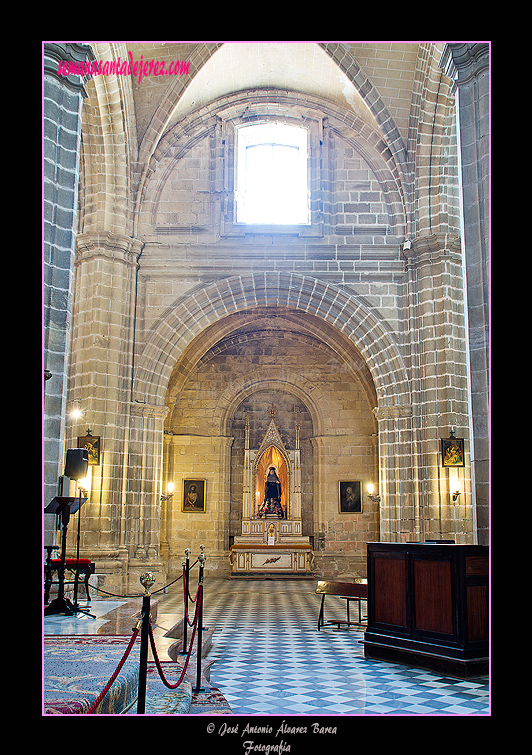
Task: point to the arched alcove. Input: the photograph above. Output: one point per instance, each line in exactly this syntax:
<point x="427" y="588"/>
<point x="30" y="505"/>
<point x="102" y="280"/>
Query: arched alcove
<point x="221" y="396"/>
<point x="295" y="426"/>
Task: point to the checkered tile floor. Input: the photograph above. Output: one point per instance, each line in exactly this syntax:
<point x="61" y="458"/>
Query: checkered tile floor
<point x="270" y="659"/>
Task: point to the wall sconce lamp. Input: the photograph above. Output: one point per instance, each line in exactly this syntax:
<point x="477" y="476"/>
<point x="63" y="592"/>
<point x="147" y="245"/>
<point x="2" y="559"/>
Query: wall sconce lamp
<point x="375" y="498"/>
<point x="170" y="492"/>
<point x="84" y="486"/>
<point x="85" y="483"/>
<point x="455" y="495"/>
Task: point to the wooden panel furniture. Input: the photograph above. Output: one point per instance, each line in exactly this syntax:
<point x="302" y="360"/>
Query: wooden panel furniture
<point x="428" y="606"/>
<point x="349" y="591"/>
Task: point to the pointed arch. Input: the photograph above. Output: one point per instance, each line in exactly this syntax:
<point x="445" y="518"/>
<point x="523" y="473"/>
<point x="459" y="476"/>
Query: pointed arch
<point x="346" y="62"/>
<point x="109" y="149"/>
<point x="348" y="314"/>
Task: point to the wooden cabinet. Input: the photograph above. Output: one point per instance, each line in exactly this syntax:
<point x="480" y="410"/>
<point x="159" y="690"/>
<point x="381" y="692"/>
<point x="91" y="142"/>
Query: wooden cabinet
<point x="428" y="606"/>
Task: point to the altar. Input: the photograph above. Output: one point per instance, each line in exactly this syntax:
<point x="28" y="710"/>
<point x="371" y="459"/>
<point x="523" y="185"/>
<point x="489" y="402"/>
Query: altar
<point x="271" y="541"/>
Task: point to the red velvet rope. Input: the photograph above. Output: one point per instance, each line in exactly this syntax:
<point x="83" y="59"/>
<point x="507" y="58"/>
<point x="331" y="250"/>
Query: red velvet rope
<point x="197" y="600"/>
<point x="186" y="595"/>
<point x="154" y="649"/>
<point x="111" y="680"/>
<point x="141" y="595"/>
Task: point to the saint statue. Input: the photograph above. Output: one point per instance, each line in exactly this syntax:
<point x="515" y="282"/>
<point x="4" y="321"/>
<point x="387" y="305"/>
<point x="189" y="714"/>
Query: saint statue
<point x="272" y="495"/>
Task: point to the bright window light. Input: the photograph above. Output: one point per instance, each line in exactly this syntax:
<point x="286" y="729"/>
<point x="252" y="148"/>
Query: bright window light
<point x="272" y="184"/>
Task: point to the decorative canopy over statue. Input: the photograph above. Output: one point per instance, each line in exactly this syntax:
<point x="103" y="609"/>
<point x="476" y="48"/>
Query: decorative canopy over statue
<point x="272" y="476"/>
<point x="272" y="490"/>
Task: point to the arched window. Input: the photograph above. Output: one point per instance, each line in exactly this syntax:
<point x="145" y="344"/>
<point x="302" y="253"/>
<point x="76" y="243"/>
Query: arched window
<point x="272" y="175"/>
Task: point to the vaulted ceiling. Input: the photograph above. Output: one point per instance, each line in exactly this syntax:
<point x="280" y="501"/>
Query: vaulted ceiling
<point x="218" y="69"/>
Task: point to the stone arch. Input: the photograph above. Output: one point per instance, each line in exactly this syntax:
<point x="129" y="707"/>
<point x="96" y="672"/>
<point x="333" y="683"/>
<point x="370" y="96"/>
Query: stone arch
<point x="168" y="103"/>
<point x="254" y="395"/>
<point x="109" y="145"/>
<point x="346" y="62"/>
<point x="292" y="384"/>
<point x="348" y="314"/>
<point x="339" y="53"/>
<point x="223" y="333"/>
<point x="431" y="140"/>
<point x="199" y="124"/>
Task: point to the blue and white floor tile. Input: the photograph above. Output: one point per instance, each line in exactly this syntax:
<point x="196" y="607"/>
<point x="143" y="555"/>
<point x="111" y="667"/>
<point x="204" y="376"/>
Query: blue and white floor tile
<point x="269" y="659"/>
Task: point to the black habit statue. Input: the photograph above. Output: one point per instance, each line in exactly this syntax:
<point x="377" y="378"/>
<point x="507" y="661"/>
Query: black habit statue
<point x="272" y="495"/>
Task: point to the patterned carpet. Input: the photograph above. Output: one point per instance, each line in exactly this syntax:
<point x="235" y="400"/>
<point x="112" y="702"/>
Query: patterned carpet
<point x="78" y="668"/>
<point x="160" y="700"/>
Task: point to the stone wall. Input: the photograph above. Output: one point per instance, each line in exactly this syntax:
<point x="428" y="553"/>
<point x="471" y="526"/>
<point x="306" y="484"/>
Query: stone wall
<point x="63" y="101"/>
<point x="271" y="367"/>
<point x="183" y="319"/>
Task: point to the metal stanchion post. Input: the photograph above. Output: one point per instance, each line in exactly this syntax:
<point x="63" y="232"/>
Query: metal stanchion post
<point x="185" y="622"/>
<point x="146" y="580"/>
<point x="201" y="559"/>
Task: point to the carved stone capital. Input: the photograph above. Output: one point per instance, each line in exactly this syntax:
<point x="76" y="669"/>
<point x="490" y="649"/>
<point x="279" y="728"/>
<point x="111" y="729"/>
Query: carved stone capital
<point x="432" y="247"/>
<point x="150" y="410"/>
<point x="392" y="412"/>
<point x="109" y="245"/>
<point x="469" y="59"/>
<point x="56" y="53"/>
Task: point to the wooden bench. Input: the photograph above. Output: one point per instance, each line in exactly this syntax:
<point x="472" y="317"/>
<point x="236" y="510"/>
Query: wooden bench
<point x="357" y="591"/>
<point x="85" y="567"/>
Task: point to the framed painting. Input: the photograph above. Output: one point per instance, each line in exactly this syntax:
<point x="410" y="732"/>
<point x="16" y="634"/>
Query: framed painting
<point x="194" y="496"/>
<point x="350" y="497"/>
<point x="452" y="452"/>
<point x="92" y="444"/>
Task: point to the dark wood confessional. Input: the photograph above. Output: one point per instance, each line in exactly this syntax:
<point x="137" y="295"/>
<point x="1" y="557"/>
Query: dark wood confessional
<point x="428" y="606"/>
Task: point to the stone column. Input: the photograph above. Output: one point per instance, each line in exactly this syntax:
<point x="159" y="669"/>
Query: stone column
<point x="468" y="65"/>
<point x="143" y="480"/>
<point x="435" y="346"/>
<point x="223" y="445"/>
<point x="100" y="387"/>
<point x="62" y="106"/>
<point x="399" y="519"/>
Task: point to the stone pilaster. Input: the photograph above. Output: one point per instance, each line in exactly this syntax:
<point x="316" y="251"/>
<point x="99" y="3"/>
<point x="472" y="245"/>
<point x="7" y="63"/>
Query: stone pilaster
<point x="143" y="481"/>
<point x="398" y="512"/>
<point x="100" y="378"/>
<point x="435" y="347"/>
<point x="468" y="66"/>
<point x="62" y="110"/>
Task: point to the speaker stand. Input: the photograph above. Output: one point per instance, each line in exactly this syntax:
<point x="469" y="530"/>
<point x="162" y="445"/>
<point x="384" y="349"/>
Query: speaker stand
<point x="62" y="605"/>
<point x="75" y="606"/>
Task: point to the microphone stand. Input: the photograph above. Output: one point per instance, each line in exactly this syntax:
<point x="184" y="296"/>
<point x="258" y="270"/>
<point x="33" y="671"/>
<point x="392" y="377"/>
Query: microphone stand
<point x="62" y="505"/>
<point x="76" y="608"/>
<point x="61" y="604"/>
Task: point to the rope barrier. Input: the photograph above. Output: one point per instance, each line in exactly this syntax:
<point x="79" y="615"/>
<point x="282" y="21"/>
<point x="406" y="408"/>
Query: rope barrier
<point x="186" y="594"/>
<point x="145" y="625"/>
<point x="100" y="697"/>
<point x="140" y="595"/>
<point x="156" y="657"/>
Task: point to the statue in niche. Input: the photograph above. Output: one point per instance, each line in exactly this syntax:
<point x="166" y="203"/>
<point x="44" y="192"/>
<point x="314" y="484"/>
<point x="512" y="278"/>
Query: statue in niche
<point x="272" y="496"/>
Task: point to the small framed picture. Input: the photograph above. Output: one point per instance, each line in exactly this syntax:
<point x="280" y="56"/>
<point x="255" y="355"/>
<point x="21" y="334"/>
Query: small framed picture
<point x="452" y="452"/>
<point x="194" y="496"/>
<point x="92" y="444"/>
<point x="350" y="497"/>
